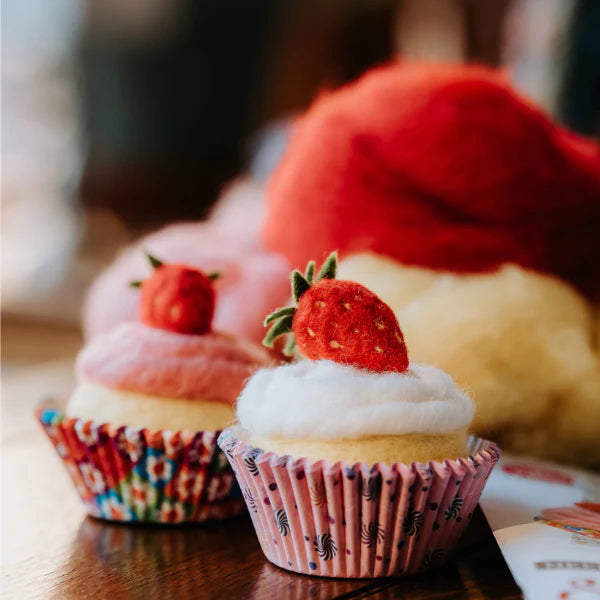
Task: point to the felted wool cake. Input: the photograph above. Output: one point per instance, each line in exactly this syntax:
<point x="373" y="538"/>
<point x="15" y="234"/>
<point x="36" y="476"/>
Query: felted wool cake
<point x="355" y="462"/>
<point x="138" y="435"/>
<point x="477" y="220"/>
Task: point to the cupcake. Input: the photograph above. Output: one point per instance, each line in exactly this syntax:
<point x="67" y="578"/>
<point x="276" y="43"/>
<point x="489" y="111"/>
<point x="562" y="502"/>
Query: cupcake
<point x="139" y="431"/>
<point x="355" y="462"/>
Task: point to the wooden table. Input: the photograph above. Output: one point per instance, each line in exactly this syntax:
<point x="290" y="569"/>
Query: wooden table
<point x="50" y="549"/>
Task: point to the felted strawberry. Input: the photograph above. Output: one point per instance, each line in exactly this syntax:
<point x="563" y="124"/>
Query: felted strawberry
<point x="341" y="321"/>
<point x="177" y="297"/>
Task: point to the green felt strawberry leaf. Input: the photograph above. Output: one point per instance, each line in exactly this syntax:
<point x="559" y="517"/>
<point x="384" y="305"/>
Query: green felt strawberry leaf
<point x="310" y="271"/>
<point x="155" y="262"/>
<point x="329" y="267"/>
<point x="281" y="327"/>
<point x="299" y="285"/>
<point x="289" y="346"/>
<point x="214" y="275"/>
<point x="284" y="311"/>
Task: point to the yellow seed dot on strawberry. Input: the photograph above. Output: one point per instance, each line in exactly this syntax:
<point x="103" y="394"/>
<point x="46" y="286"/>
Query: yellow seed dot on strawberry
<point x="398" y="338"/>
<point x="335" y="344"/>
<point x="319" y="304"/>
<point x="379" y="324"/>
<point x="347" y="306"/>
<point x="310" y="332"/>
<point x="175" y="311"/>
<point x="378" y="349"/>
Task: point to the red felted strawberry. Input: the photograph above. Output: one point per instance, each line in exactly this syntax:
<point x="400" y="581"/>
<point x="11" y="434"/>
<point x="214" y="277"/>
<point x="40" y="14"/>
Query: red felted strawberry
<point x="177" y="298"/>
<point x="341" y="321"/>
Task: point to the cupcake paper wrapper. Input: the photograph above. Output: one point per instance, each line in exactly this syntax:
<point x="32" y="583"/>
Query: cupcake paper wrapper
<point x="136" y="475"/>
<point x="359" y="521"/>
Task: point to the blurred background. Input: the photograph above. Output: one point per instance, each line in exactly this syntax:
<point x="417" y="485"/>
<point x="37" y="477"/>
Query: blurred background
<point x="118" y="117"/>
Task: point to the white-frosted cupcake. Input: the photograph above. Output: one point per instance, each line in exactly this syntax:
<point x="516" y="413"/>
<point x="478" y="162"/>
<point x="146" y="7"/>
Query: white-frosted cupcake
<point x="354" y="463"/>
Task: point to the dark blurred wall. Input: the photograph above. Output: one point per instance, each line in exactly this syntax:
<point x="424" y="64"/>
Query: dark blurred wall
<point x="579" y="103"/>
<point x="172" y="89"/>
<point x="164" y="105"/>
<point x="169" y="97"/>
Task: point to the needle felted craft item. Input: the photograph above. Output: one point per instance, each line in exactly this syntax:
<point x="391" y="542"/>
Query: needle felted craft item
<point x="139" y="431"/>
<point x="354" y="463"/>
<point x="177" y="298"/>
<point x="354" y="326"/>
<point x="252" y="278"/>
<point x="476" y="219"/>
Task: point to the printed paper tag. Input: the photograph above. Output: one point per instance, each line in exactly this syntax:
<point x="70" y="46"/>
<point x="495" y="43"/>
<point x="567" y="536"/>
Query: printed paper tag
<point x="546" y="519"/>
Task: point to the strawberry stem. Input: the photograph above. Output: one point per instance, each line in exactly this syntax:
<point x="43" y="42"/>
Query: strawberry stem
<point x="135" y="284"/>
<point x="214" y="275"/>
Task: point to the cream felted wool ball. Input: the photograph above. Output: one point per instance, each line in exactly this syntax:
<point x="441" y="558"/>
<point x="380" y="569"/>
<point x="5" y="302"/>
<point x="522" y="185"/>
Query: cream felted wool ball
<point x="525" y="345"/>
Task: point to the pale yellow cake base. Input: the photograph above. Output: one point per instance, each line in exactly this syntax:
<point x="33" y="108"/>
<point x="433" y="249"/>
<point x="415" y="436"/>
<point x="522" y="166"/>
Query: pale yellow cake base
<point x="104" y="405"/>
<point x="371" y="449"/>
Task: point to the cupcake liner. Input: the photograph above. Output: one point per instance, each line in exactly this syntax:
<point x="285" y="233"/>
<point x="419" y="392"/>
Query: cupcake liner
<point x="137" y="475"/>
<point x="358" y="521"/>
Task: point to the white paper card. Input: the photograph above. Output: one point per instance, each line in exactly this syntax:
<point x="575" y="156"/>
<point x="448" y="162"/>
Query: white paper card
<point x="548" y="559"/>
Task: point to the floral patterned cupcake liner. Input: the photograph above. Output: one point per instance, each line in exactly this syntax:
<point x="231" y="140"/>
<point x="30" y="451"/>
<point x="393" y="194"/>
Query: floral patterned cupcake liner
<point x="359" y="521"/>
<point x="136" y="475"/>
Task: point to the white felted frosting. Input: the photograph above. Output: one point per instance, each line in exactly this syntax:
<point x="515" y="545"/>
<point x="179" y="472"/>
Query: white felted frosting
<point x="327" y="400"/>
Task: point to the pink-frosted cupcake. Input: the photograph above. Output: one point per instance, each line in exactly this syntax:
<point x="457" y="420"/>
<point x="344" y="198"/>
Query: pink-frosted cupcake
<point x="139" y="431"/>
<point x="354" y="463"/>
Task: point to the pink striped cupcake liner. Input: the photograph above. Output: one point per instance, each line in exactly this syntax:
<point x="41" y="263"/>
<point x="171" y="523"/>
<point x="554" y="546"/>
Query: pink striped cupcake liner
<point x="358" y="521"/>
<point x="137" y="475"/>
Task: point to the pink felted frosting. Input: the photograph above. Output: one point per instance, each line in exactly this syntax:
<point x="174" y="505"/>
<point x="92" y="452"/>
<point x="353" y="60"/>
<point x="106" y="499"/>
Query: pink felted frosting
<point x="138" y="358"/>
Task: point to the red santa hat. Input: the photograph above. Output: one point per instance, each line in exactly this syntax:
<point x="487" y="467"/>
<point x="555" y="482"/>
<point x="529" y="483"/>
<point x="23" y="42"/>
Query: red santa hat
<point x="440" y="166"/>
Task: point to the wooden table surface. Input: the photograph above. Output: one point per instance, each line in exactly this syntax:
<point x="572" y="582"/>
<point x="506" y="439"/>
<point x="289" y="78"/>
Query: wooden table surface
<point x="50" y="549"/>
